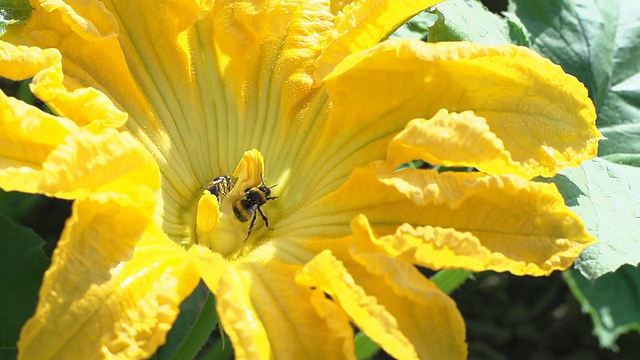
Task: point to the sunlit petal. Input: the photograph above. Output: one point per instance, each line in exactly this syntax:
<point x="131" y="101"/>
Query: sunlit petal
<point x="542" y="115"/>
<point x="453" y="140"/>
<point x="22" y="62"/>
<point x="28" y="137"/>
<point x="363" y="24"/>
<point x="114" y="286"/>
<point x="292" y="323"/>
<point x="534" y="235"/>
<point x="84" y="106"/>
<point x="53" y="160"/>
<point x="411" y="296"/>
<point x="237" y="314"/>
<point x="329" y="274"/>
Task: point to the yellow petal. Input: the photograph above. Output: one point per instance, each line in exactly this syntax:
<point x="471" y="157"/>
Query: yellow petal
<point x="106" y="162"/>
<point x="363" y="24"/>
<point x="89" y="19"/>
<point x="266" y="55"/>
<point x="237" y="315"/>
<point x="157" y="53"/>
<point x="88" y="164"/>
<point x="389" y="300"/>
<point x="51" y="155"/>
<point x="543" y="116"/>
<point x="113" y="288"/>
<point x="509" y="223"/>
<point x="85" y="33"/>
<point x="290" y="35"/>
<point x="22" y="62"/>
<point x="28" y="136"/>
<point x="337" y="321"/>
<point x="299" y="324"/>
<point x="329" y="274"/>
<point x="426" y="315"/>
<point x="261" y="297"/>
<point x="453" y="140"/>
<point x="84" y="106"/>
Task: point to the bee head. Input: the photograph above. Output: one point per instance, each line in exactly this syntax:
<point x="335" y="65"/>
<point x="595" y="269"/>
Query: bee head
<point x="265" y="189"/>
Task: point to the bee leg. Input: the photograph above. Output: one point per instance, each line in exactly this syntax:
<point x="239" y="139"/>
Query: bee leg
<point x="253" y="222"/>
<point x="264" y="218"/>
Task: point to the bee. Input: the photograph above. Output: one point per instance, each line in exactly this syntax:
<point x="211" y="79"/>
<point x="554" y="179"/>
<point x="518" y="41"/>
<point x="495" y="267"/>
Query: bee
<point x="248" y="207"/>
<point x="220" y="186"/>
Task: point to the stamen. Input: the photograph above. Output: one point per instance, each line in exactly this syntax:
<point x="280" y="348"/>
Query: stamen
<point x="208" y="213"/>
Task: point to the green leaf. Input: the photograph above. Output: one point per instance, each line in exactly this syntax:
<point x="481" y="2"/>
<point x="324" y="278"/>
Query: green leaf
<point x="451" y="279"/>
<point x="611" y="300"/>
<point x="221" y="349"/>
<point x="16" y="205"/>
<point x="198" y="335"/>
<point x="417" y="27"/>
<point x="621" y="139"/>
<point x="598" y="41"/>
<point x="607" y="198"/>
<point x="365" y="347"/>
<point x="22" y="265"/>
<point x="13" y="11"/>
<point x="190" y="308"/>
<point x="624" y="159"/>
<point x="469" y="20"/>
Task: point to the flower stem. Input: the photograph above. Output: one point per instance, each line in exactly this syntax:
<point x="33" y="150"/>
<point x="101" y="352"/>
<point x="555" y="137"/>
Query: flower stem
<point x="447" y="281"/>
<point x="199" y="333"/>
<point x="365" y="347"/>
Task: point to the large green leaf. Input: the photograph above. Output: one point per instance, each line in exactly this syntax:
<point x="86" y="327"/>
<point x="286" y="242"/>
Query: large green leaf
<point x="611" y="300"/>
<point x="469" y="20"/>
<point x="22" y="264"/>
<point x="607" y="198"/>
<point x="417" y="27"/>
<point x="598" y="41"/>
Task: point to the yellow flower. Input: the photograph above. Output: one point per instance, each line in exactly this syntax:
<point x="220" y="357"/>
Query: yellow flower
<point x="156" y="99"/>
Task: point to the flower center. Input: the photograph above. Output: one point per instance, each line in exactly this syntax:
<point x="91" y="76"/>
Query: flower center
<point x="229" y="215"/>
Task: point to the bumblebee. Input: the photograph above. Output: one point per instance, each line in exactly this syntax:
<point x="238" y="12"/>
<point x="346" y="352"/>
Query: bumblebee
<point x="220" y="186"/>
<point x="248" y="206"/>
